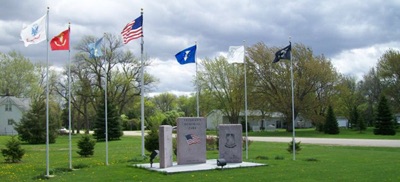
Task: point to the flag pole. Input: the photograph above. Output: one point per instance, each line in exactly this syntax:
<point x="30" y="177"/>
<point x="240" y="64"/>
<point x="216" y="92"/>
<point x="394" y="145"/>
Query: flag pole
<point x="106" y="99"/>
<point x="197" y="84"/>
<point x="245" y="97"/>
<point x="142" y="86"/>
<point x="47" y="95"/>
<point x="69" y="97"/>
<point x="293" y="125"/>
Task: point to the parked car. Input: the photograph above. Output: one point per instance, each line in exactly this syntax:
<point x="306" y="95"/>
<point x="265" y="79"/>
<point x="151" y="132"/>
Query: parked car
<point x="63" y="131"/>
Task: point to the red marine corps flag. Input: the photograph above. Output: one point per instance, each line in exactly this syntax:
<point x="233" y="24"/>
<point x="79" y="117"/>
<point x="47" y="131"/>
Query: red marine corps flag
<point x="61" y="41"/>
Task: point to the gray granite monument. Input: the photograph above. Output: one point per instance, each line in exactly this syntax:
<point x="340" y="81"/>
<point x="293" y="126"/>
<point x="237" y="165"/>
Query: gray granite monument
<point x="191" y="140"/>
<point x="165" y="146"/>
<point x="230" y="142"/>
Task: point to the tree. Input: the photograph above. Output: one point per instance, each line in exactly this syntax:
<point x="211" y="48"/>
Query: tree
<point x="17" y="75"/>
<point x="384" y="124"/>
<point x="354" y="118"/>
<point x="86" y="146"/>
<point x="388" y="71"/>
<point x="370" y="88"/>
<point x="314" y="81"/>
<point x="357" y="122"/>
<point x="226" y="83"/>
<point x="171" y="117"/>
<point x="165" y="101"/>
<point x="348" y="99"/>
<point x="113" y="123"/>
<point x="331" y="125"/>
<point x="32" y="127"/>
<point x="13" y="152"/>
<point x="88" y="79"/>
<point x="187" y="104"/>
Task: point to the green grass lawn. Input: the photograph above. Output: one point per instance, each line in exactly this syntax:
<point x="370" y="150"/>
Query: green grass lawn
<point x="313" y="163"/>
<point x="312" y="133"/>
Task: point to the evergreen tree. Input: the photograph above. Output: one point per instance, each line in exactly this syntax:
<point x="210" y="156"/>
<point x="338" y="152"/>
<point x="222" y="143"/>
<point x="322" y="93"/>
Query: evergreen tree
<point x="14" y="152"/>
<point x="361" y="124"/>
<point x="86" y="146"/>
<point x="384" y="124"/>
<point x="113" y="123"/>
<point x="151" y="140"/>
<point x="357" y="122"/>
<point x="354" y="118"/>
<point x="331" y="124"/>
<point x="32" y="127"/>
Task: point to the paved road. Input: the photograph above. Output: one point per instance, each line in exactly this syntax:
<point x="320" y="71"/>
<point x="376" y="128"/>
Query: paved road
<point x="322" y="141"/>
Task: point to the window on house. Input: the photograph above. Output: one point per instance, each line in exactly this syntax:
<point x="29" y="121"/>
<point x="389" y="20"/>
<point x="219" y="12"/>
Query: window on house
<point x="8" y="107"/>
<point x="11" y="122"/>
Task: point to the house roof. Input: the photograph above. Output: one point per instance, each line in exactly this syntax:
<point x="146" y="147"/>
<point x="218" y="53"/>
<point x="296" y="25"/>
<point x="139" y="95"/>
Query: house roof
<point x="21" y="103"/>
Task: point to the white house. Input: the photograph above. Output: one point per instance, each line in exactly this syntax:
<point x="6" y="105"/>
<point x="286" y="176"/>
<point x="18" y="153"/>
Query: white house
<point x="271" y="120"/>
<point x="397" y="118"/>
<point x="342" y="121"/>
<point x="11" y="111"/>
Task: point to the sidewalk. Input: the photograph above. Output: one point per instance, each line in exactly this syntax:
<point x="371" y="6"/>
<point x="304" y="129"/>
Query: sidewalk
<point x="321" y="141"/>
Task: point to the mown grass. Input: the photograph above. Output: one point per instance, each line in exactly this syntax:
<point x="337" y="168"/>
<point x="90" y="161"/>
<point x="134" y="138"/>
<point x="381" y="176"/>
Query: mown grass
<point x="312" y="133"/>
<point x="313" y="163"/>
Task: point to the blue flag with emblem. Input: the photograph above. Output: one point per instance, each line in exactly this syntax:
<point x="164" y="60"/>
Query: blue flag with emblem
<point x="95" y="49"/>
<point x="187" y="55"/>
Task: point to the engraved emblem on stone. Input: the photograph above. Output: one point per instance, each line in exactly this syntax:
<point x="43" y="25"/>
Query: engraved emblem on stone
<point x="230" y="140"/>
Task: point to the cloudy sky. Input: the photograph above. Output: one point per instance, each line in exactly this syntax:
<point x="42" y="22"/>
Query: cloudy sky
<point x="352" y="33"/>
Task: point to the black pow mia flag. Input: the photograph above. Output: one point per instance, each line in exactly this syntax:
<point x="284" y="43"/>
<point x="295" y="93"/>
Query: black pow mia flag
<point x="283" y="53"/>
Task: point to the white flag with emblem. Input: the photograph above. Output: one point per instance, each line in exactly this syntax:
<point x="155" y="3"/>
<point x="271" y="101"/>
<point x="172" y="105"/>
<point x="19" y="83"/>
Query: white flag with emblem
<point x="35" y="32"/>
<point x="236" y="54"/>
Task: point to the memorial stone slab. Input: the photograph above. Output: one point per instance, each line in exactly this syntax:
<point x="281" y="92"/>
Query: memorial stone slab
<point x="191" y="140"/>
<point x="230" y="142"/>
<point x="165" y="146"/>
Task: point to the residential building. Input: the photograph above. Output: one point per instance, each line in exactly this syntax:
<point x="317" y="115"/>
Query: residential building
<point x="256" y="120"/>
<point x="11" y="111"/>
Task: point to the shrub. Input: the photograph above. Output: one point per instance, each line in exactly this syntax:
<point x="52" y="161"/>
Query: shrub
<point x="86" y="146"/>
<point x="262" y="157"/>
<point x="151" y="140"/>
<point x="244" y="143"/>
<point x="297" y="147"/>
<point x="211" y="143"/>
<point x="14" y="152"/>
<point x="311" y="159"/>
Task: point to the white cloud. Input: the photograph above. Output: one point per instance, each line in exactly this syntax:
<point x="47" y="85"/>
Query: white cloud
<point x="173" y="76"/>
<point x="353" y="33"/>
<point x="359" y="61"/>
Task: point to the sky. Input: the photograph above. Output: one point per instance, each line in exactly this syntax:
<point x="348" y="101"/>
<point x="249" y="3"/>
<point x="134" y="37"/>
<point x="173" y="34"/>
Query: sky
<point x="353" y="34"/>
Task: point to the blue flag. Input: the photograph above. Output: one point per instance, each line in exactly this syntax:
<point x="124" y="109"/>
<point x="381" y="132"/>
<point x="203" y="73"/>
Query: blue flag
<point x="95" y="49"/>
<point x="283" y="53"/>
<point x="187" y="55"/>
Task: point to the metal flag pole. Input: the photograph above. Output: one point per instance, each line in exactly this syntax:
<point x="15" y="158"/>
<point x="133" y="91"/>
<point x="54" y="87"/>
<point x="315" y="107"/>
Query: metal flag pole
<point x="47" y="96"/>
<point x="69" y="97"/>
<point x="197" y="84"/>
<point x="293" y="125"/>
<point x="105" y="99"/>
<point x="245" y="98"/>
<point x="142" y="86"/>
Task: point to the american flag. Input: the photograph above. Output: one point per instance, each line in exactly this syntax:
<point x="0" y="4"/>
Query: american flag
<point x="133" y="30"/>
<point x="192" y="139"/>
